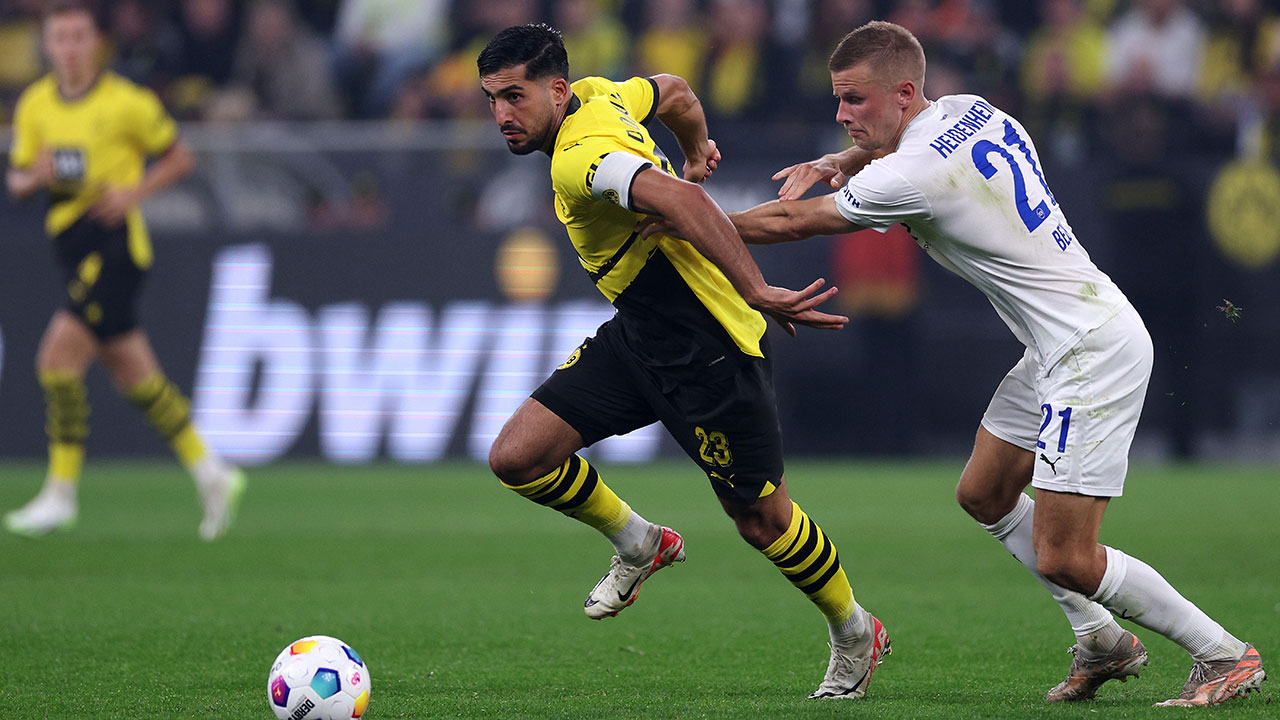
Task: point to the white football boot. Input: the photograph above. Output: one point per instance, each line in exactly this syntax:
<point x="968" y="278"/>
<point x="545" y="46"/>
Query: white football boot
<point x="849" y="671"/>
<point x="54" y="508"/>
<point x="221" y="485"/>
<point x="620" y="586"/>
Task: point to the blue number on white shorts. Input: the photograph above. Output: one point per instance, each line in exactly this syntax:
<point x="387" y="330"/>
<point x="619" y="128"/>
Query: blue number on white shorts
<point x="1065" y="414"/>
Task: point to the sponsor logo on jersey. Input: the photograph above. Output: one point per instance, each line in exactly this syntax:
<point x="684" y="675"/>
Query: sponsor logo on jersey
<point x="848" y="195"/>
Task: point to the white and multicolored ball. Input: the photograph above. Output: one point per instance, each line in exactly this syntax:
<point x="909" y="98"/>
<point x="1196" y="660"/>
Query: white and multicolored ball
<point x="318" y="678"/>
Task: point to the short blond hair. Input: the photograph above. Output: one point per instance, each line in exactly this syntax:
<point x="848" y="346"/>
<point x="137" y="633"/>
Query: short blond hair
<point x="892" y="51"/>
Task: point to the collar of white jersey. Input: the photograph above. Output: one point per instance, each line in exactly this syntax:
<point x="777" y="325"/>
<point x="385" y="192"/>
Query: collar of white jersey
<point x="918" y="121"/>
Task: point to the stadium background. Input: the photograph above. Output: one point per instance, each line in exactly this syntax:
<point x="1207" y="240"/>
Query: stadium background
<point x="358" y="269"/>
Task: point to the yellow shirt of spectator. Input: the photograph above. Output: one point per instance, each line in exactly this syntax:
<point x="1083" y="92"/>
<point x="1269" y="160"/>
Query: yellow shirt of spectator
<point x="100" y="139"/>
<point x="607" y="117"/>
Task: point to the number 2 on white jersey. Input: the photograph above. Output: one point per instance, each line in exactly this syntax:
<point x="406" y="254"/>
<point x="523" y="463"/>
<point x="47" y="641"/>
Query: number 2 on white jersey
<point x="1032" y="217"/>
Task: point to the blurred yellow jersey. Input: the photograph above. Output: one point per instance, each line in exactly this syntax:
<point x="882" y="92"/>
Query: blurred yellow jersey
<point x="99" y="140"/>
<point x="635" y="274"/>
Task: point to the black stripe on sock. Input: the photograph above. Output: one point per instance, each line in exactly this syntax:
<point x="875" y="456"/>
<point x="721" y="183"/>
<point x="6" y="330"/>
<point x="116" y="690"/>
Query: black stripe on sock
<point x="588" y="486"/>
<point x="813" y="567"/>
<point x="821" y="582"/>
<point x="798" y="556"/>
<point x="551" y="486"/>
<point x="563" y="484"/>
<point x="796" y="539"/>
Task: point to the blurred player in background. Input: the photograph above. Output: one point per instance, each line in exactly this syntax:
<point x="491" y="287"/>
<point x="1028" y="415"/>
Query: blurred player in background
<point x="84" y="134"/>
<point x="686" y="347"/>
<point x="965" y="179"/>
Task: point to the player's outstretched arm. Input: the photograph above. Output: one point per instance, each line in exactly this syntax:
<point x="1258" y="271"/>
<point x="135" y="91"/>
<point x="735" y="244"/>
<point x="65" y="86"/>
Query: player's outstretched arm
<point x="777" y="221"/>
<point x="694" y="216"/>
<point x="834" y="169"/>
<point x="681" y="111"/>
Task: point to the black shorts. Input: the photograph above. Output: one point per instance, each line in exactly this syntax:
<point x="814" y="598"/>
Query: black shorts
<point x="101" y="276"/>
<point x="723" y="415"/>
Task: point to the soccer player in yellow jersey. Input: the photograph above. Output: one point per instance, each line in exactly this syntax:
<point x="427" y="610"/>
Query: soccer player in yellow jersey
<point x="83" y="134"/>
<point x="686" y="347"/>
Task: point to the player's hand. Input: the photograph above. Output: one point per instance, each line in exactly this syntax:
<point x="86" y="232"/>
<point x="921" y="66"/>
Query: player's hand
<point x="699" y="166"/>
<point x="803" y="176"/>
<point x="653" y="224"/>
<point x="789" y="307"/>
<point x="110" y="209"/>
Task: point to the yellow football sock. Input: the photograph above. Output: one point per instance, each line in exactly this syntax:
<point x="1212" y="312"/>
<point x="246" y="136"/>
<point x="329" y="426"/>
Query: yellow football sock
<point x="67" y="422"/>
<point x="808" y="558"/>
<point x="65" y="461"/>
<point x="189" y="446"/>
<point x="575" y="489"/>
<point x="169" y="412"/>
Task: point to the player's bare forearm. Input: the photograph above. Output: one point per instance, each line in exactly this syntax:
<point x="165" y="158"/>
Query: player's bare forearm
<point x="694" y="216"/>
<point x="700" y="222"/>
<point x="21" y="184"/>
<point x="176" y="163"/>
<point x="834" y="169"/>
<point x="777" y="221"/>
<point x="853" y="159"/>
<point x="24" y="182"/>
<point x="681" y="111"/>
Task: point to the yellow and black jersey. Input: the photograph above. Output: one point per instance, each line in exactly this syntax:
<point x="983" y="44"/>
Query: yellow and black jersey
<point x="660" y="285"/>
<point x="100" y="139"/>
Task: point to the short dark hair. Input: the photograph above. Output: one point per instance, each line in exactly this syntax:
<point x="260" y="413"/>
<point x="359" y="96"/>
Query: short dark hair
<point x="540" y="48"/>
<point x="893" y="51"/>
<point x="53" y="8"/>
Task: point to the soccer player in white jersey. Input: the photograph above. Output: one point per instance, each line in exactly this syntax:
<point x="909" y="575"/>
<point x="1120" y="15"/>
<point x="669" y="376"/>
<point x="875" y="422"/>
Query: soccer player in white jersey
<point x="965" y="179"/>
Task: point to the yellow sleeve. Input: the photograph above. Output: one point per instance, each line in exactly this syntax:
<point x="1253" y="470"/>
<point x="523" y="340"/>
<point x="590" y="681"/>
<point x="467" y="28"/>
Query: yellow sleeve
<point x="153" y="128"/>
<point x="26" y="143"/>
<point x="640" y="95"/>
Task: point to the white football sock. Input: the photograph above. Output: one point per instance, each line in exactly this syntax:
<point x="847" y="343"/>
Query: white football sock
<point x="629" y="542"/>
<point x="1134" y="591"/>
<point x="848" y="632"/>
<point x="1093" y="626"/>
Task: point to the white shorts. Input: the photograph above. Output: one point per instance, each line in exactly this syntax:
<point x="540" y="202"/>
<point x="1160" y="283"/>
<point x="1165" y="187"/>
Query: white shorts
<point x="1079" y="417"/>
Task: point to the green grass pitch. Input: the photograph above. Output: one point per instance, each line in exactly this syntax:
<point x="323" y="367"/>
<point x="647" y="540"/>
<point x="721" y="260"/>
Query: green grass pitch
<point x="466" y="599"/>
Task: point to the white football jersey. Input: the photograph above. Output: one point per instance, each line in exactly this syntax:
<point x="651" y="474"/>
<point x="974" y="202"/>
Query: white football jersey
<point x="967" y="183"/>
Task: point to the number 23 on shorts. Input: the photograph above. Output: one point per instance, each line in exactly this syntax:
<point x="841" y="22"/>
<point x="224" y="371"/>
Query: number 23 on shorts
<point x="714" y="449"/>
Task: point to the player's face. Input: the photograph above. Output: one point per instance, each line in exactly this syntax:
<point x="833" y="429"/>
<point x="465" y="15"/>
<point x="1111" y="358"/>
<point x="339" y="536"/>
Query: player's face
<point x="524" y="108"/>
<point x="870" y="111"/>
<point x="71" y="43"/>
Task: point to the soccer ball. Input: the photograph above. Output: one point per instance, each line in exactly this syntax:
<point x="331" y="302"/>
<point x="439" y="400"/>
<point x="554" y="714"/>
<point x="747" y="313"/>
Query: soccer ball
<point x="318" y="678"/>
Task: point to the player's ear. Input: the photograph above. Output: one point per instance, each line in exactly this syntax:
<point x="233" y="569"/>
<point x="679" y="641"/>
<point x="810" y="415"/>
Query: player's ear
<point x="559" y="89"/>
<point x="907" y="91"/>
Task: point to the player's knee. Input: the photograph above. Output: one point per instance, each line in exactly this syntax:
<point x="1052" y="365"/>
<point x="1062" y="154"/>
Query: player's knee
<point x="507" y="464"/>
<point x="759" y="529"/>
<point x="980" y="505"/>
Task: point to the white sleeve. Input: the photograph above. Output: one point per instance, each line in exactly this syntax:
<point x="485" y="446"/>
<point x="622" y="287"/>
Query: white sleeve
<point x="613" y="176"/>
<point x="879" y="198"/>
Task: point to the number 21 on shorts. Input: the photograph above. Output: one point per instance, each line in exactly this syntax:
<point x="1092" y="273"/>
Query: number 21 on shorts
<point x="1049" y="414"/>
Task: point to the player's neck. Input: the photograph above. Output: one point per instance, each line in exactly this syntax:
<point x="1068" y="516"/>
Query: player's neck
<point x="561" y="113"/>
<point x="74" y="87"/>
<point x="917" y="106"/>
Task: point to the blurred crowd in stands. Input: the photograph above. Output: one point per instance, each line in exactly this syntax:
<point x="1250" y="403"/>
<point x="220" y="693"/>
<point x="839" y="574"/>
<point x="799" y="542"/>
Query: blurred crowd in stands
<point x="1206" y="71"/>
